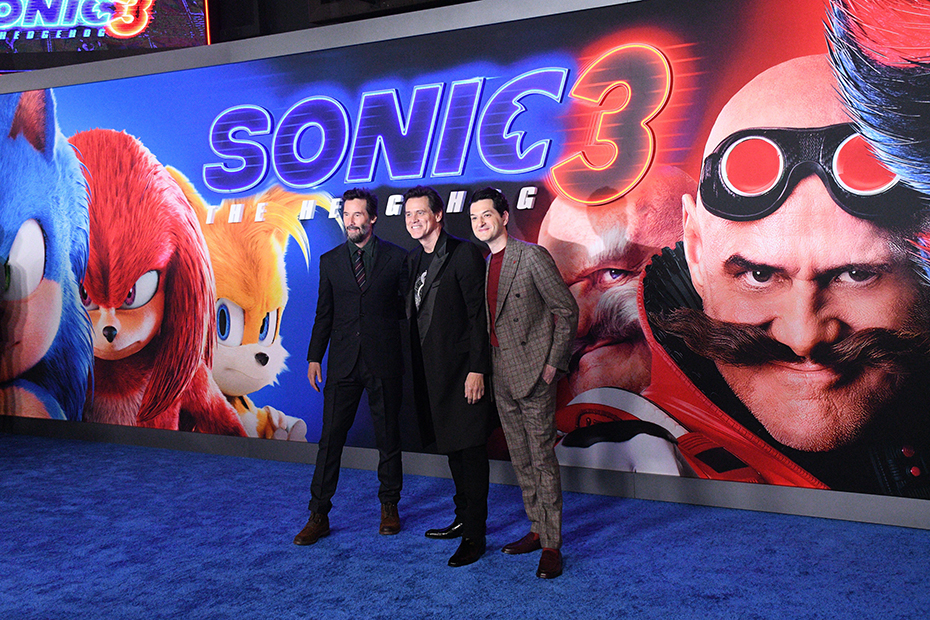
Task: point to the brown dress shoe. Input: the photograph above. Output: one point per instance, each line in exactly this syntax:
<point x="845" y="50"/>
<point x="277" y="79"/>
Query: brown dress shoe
<point x="527" y="544"/>
<point x="317" y="527"/>
<point x="550" y="564"/>
<point x="390" y="520"/>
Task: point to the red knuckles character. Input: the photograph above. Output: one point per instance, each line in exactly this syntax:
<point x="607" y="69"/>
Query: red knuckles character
<point x="149" y="290"/>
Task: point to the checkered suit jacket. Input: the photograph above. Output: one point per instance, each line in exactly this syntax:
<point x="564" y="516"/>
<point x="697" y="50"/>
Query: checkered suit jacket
<point x="536" y="316"/>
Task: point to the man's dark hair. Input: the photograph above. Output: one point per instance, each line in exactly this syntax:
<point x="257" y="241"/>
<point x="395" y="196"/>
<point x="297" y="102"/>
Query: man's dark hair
<point x="435" y="202"/>
<point x="495" y="196"/>
<point x="360" y="193"/>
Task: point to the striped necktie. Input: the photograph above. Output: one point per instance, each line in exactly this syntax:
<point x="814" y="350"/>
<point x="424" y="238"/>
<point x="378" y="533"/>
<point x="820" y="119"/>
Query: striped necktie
<point x="359" y="267"/>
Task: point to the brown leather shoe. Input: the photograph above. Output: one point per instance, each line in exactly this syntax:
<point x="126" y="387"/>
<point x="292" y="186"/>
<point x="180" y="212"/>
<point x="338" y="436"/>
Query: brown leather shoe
<point x="527" y="544"/>
<point x="550" y="564"/>
<point x="317" y="527"/>
<point x="390" y="520"/>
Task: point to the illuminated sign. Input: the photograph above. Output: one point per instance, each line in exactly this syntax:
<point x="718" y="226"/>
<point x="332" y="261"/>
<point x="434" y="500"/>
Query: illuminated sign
<point x="619" y="94"/>
<point x="117" y="18"/>
<point x="624" y="89"/>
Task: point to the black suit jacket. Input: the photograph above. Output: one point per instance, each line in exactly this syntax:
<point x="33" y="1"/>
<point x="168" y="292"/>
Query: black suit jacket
<point x="449" y="339"/>
<point x="366" y="321"/>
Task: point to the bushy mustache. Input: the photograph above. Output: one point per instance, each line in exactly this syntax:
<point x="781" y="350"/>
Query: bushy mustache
<point x="616" y="319"/>
<point x="740" y="344"/>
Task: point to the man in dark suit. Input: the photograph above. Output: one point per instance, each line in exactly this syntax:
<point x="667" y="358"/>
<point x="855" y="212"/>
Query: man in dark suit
<point x="532" y="320"/>
<point x="449" y="343"/>
<point x="360" y="310"/>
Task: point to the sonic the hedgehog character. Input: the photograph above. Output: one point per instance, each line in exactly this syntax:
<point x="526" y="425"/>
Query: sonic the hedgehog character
<point x="247" y="238"/>
<point x="45" y="349"/>
<point x="149" y="291"/>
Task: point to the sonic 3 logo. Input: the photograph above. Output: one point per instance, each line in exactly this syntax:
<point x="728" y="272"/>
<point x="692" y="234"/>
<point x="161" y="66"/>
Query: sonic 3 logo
<point x="618" y="94"/>
<point x="121" y="19"/>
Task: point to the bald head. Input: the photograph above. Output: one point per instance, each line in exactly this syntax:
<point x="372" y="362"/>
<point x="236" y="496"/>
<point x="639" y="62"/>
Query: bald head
<point x="807" y="277"/>
<point x="799" y="93"/>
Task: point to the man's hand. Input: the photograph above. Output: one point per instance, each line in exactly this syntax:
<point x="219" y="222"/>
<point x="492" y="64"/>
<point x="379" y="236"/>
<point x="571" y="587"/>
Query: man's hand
<point x="549" y="373"/>
<point x="315" y="375"/>
<point x="474" y="387"/>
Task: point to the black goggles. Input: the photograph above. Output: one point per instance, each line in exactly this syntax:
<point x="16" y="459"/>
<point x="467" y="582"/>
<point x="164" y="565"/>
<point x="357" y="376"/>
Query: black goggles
<point x="753" y="171"/>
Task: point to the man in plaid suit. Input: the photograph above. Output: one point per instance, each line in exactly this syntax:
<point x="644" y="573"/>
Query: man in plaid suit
<point x="532" y="320"/>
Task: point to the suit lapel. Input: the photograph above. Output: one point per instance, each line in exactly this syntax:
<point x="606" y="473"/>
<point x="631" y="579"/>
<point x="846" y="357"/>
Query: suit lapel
<point x="435" y="267"/>
<point x="512" y="254"/>
<point x="380" y="261"/>
<point x="348" y="262"/>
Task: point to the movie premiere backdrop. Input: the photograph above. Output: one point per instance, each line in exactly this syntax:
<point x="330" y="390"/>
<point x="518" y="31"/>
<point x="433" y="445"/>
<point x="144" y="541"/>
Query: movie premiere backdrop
<point x="167" y="238"/>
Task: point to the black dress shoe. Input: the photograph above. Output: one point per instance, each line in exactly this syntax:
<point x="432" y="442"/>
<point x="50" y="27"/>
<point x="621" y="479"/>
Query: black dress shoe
<point x="445" y="533"/>
<point x="470" y="549"/>
<point x="550" y="564"/>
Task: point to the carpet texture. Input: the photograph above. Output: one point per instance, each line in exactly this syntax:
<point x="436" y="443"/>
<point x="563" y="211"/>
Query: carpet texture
<point x="107" y="531"/>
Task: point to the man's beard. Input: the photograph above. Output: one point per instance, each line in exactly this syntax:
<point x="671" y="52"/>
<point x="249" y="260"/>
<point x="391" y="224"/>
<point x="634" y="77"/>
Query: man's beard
<point x="739" y="344"/>
<point x="357" y="235"/>
<point x="616" y="320"/>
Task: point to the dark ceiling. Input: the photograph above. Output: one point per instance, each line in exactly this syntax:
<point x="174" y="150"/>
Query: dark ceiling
<point x="239" y="19"/>
<point x="230" y="20"/>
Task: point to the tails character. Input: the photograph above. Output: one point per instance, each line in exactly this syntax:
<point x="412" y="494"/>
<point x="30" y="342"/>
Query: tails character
<point x="149" y="291"/>
<point x="247" y="238"/>
<point x="45" y="347"/>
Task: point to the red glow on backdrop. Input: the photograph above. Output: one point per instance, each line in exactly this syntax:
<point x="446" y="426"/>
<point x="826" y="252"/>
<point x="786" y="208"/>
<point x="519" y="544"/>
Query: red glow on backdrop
<point x="626" y="116"/>
<point x="130" y="18"/>
<point x="621" y="92"/>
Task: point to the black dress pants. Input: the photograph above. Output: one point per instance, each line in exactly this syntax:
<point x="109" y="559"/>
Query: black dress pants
<point x="340" y="404"/>
<point x="471" y="473"/>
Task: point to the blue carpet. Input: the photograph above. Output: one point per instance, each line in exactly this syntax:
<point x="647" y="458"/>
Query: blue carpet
<point x="101" y="531"/>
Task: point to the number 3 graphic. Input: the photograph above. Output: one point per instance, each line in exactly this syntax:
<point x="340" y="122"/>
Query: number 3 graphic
<point x="627" y="87"/>
<point x="130" y="18"/>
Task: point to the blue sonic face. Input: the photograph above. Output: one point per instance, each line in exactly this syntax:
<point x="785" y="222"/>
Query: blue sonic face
<point x="45" y="350"/>
<point x="31" y="303"/>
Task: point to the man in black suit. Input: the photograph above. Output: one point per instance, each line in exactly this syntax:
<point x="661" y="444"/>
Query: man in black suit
<point x="449" y="343"/>
<point x="360" y="310"/>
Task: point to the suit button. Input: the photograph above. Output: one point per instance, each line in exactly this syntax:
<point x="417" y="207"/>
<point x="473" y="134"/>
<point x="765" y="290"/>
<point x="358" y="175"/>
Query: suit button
<point x="523" y="344"/>
<point x="516" y="320"/>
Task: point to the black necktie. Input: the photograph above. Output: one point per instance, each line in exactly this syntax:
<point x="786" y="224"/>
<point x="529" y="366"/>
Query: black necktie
<point x="359" y="269"/>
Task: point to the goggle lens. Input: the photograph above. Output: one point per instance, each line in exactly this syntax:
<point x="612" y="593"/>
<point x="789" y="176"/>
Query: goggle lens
<point x="752" y="166"/>
<point x="858" y="170"/>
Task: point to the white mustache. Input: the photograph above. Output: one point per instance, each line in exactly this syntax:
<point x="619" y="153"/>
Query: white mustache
<point x="616" y="319"/>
